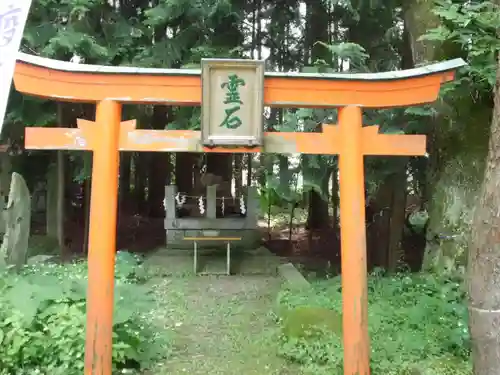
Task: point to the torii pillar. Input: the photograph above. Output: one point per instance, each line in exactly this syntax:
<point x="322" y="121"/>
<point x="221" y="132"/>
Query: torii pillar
<point x="102" y="138"/>
<point x="108" y="136"/>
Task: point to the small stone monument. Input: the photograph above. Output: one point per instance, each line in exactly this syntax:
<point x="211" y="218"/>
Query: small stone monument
<point x="208" y="224"/>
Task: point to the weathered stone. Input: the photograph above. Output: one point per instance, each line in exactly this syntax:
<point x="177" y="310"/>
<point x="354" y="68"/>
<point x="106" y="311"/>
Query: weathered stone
<point x="179" y="227"/>
<point x="14" y="248"/>
<point x="293" y="277"/>
<point x="211" y="202"/>
<point x="5" y="169"/>
<point x="169" y="202"/>
<point x="454" y="197"/>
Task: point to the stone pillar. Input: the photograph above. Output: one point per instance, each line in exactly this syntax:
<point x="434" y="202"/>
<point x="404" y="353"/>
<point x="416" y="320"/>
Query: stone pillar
<point x="14" y="249"/>
<point x="170" y="192"/>
<point x="211" y="202"/>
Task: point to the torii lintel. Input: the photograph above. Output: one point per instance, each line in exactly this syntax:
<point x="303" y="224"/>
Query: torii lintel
<point x="131" y="139"/>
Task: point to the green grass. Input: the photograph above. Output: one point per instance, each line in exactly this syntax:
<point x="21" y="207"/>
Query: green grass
<point x="417" y="326"/>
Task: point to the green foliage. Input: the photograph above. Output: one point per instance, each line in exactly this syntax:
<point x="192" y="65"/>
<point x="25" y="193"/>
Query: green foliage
<point x="279" y="193"/>
<point x="418" y="220"/>
<point x="462" y="126"/>
<point x="352" y="52"/>
<point x="473" y="26"/>
<point x="42" y="320"/>
<point x="416" y="321"/>
<point x="306" y="322"/>
<point x="315" y="169"/>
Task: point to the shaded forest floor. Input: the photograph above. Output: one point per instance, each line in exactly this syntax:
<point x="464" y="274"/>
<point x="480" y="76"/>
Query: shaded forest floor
<point x="141" y="234"/>
<point x="313" y="251"/>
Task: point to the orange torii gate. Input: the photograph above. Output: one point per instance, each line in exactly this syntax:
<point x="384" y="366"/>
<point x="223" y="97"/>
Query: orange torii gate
<point x="109" y="87"/>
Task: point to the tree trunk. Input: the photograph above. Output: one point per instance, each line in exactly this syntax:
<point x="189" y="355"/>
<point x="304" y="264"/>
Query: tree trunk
<point x="284" y="173"/>
<point x="198" y="164"/>
<point x="397" y="218"/>
<point x="238" y="174"/>
<point x="484" y="259"/>
<point x="140" y="179"/>
<point x="379" y="226"/>
<point x="184" y="171"/>
<point x="398" y="181"/>
<point x="249" y="169"/>
<point x="61" y="187"/>
<point x="317" y="29"/>
<point x="157" y="179"/>
<point x="125" y="175"/>
<point x="86" y="208"/>
<point x="51" y="205"/>
<point x="451" y="158"/>
<point x="221" y="165"/>
<point x="335" y="198"/>
<point x="158" y="167"/>
<point x="419" y="18"/>
<point x="318" y="216"/>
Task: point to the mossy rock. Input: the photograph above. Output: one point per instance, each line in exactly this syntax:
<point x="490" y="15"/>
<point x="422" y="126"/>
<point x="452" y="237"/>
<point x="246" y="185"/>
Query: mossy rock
<point x="447" y="365"/>
<point x="307" y="322"/>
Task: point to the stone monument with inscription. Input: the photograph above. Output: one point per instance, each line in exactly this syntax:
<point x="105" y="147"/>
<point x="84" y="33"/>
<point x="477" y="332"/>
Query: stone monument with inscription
<point x="232" y="103"/>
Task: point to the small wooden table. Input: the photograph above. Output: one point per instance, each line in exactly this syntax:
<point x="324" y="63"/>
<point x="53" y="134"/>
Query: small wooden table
<point x="228" y="241"/>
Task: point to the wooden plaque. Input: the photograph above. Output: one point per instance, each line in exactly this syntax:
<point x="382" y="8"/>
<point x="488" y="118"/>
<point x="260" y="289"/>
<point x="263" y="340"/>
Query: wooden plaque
<point x="232" y="103"/>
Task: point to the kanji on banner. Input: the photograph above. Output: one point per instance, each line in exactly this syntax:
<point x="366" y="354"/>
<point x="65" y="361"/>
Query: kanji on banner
<point x="13" y="16"/>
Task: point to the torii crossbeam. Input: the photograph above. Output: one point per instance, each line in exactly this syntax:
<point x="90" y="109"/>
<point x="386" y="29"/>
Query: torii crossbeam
<point x="109" y="87"/>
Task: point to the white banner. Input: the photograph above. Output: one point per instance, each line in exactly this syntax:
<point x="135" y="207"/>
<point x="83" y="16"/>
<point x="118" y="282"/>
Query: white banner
<point x="13" y="16"/>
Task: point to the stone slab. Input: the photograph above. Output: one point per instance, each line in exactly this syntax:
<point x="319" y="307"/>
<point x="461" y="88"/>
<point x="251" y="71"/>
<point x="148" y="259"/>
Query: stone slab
<point x="293" y="277"/>
<point x="178" y="262"/>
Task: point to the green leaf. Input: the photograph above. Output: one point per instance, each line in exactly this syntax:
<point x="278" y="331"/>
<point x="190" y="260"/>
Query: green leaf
<point x="121" y="316"/>
<point x="440" y="33"/>
<point x="352" y="52"/>
<point x="305" y="113"/>
<point x="420" y="111"/>
<point x="393" y="130"/>
<point x="289" y="124"/>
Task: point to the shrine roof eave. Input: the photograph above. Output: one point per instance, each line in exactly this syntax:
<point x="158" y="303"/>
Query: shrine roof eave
<point x="66" y="81"/>
<point x="64" y="66"/>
